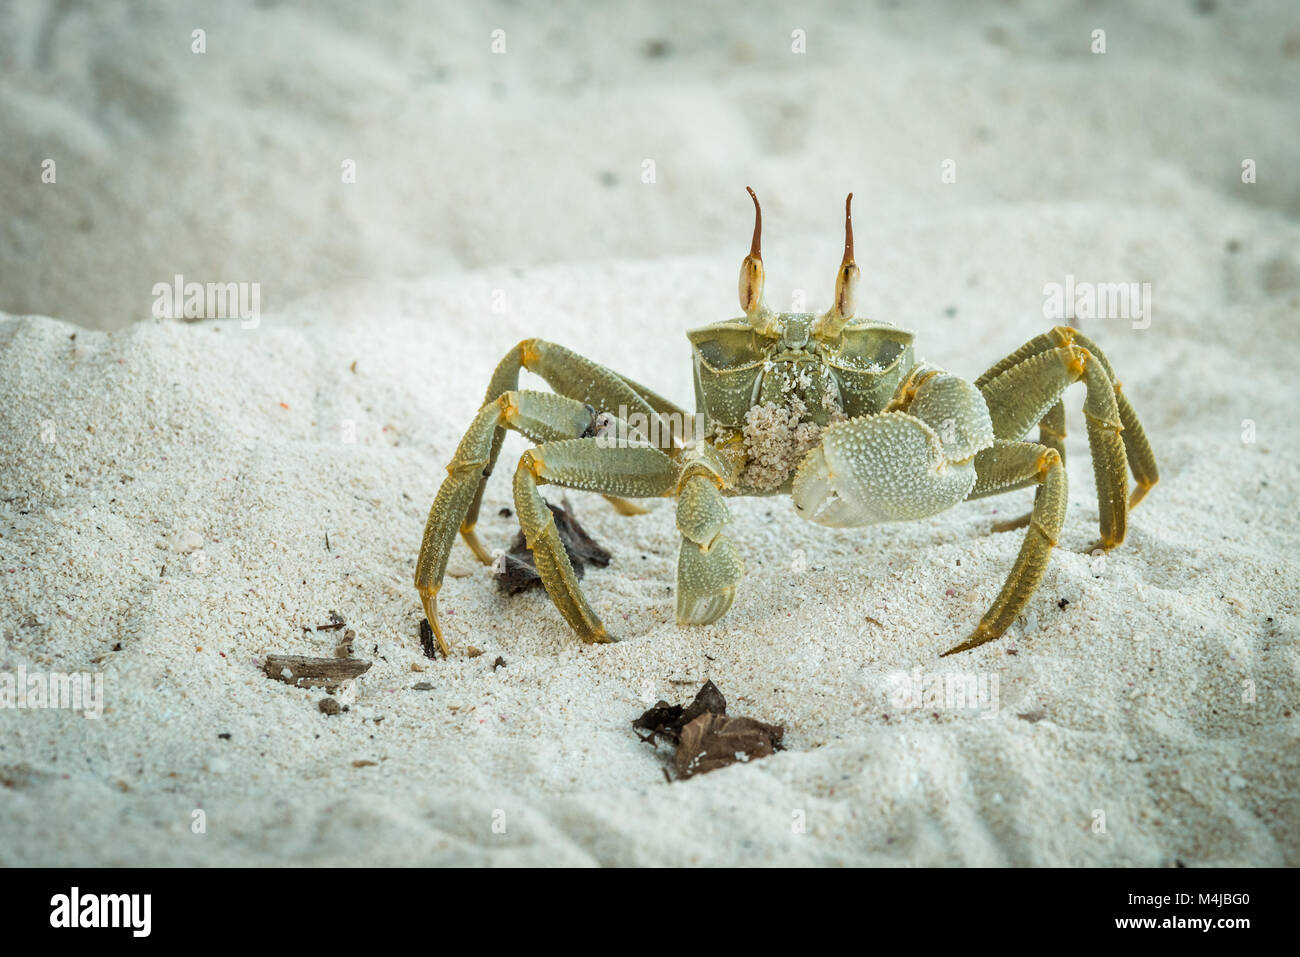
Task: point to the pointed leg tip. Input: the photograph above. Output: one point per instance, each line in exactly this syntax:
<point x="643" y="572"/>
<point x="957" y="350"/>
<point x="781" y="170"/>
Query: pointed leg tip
<point x="429" y="599"/>
<point x="472" y="540"/>
<point x="981" y="635"/>
<point x="1139" y="493"/>
<point x="598" y="637"/>
<point x="1102" y="545"/>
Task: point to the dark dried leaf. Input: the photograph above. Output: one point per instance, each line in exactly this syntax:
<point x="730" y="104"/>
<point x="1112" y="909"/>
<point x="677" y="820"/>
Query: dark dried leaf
<point x="669" y="719"/>
<point x="515" y="571"/>
<point x="706" y="738"/>
<point x="663" y="718"/>
<point x="708" y="701"/>
<point x="714" y="741"/>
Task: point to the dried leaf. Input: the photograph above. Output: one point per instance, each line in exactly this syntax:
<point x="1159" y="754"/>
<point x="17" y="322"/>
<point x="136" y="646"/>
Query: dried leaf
<point x="705" y="736"/>
<point x="669" y="719"/>
<point x="714" y="741"/>
<point x="708" y="701"/>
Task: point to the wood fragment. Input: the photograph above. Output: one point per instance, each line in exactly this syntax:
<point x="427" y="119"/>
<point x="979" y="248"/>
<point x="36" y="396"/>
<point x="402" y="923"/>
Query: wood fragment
<point x="327" y="673"/>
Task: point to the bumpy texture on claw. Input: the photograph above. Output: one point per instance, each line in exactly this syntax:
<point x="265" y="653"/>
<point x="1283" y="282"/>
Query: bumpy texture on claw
<point x="910" y="463"/>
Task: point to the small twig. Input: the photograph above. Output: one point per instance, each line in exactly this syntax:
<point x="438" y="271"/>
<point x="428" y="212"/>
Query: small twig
<point x="336" y="622"/>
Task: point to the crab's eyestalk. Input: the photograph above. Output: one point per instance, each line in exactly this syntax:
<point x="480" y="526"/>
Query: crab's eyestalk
<point x="846" y="284"/>
<point x="751" y="278"/>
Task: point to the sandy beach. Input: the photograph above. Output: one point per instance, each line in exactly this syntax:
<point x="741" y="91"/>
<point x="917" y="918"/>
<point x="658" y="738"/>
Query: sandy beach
<point x="180" y="499"/>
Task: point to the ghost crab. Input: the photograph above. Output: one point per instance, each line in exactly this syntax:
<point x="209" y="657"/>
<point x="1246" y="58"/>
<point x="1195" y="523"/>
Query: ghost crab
<point x="833" y="409"/>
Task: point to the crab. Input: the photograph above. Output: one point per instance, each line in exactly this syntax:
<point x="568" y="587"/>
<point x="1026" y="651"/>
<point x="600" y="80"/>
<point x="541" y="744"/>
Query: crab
<point x="833" y="410"/>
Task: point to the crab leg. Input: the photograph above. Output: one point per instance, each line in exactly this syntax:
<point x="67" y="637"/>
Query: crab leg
<point x="708" y="565"/>
<point x="539" y="415"/>
<point x="589" y="465"/>
<point x="1008" y="465"/>
<point x="1028" y="391"/>
<point x="1137" y="449"/>
<point x="569" y="374"/>
<point x="1051" y="433"/>
<point x="1136" y="446"/>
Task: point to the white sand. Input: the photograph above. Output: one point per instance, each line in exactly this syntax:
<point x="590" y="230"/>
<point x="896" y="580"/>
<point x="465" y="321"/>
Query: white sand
<point x="122" y="446"/>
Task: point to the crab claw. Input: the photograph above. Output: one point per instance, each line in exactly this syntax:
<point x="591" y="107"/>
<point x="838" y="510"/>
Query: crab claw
<point x="706" y="580"/>
<point x="885" y="468"/>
